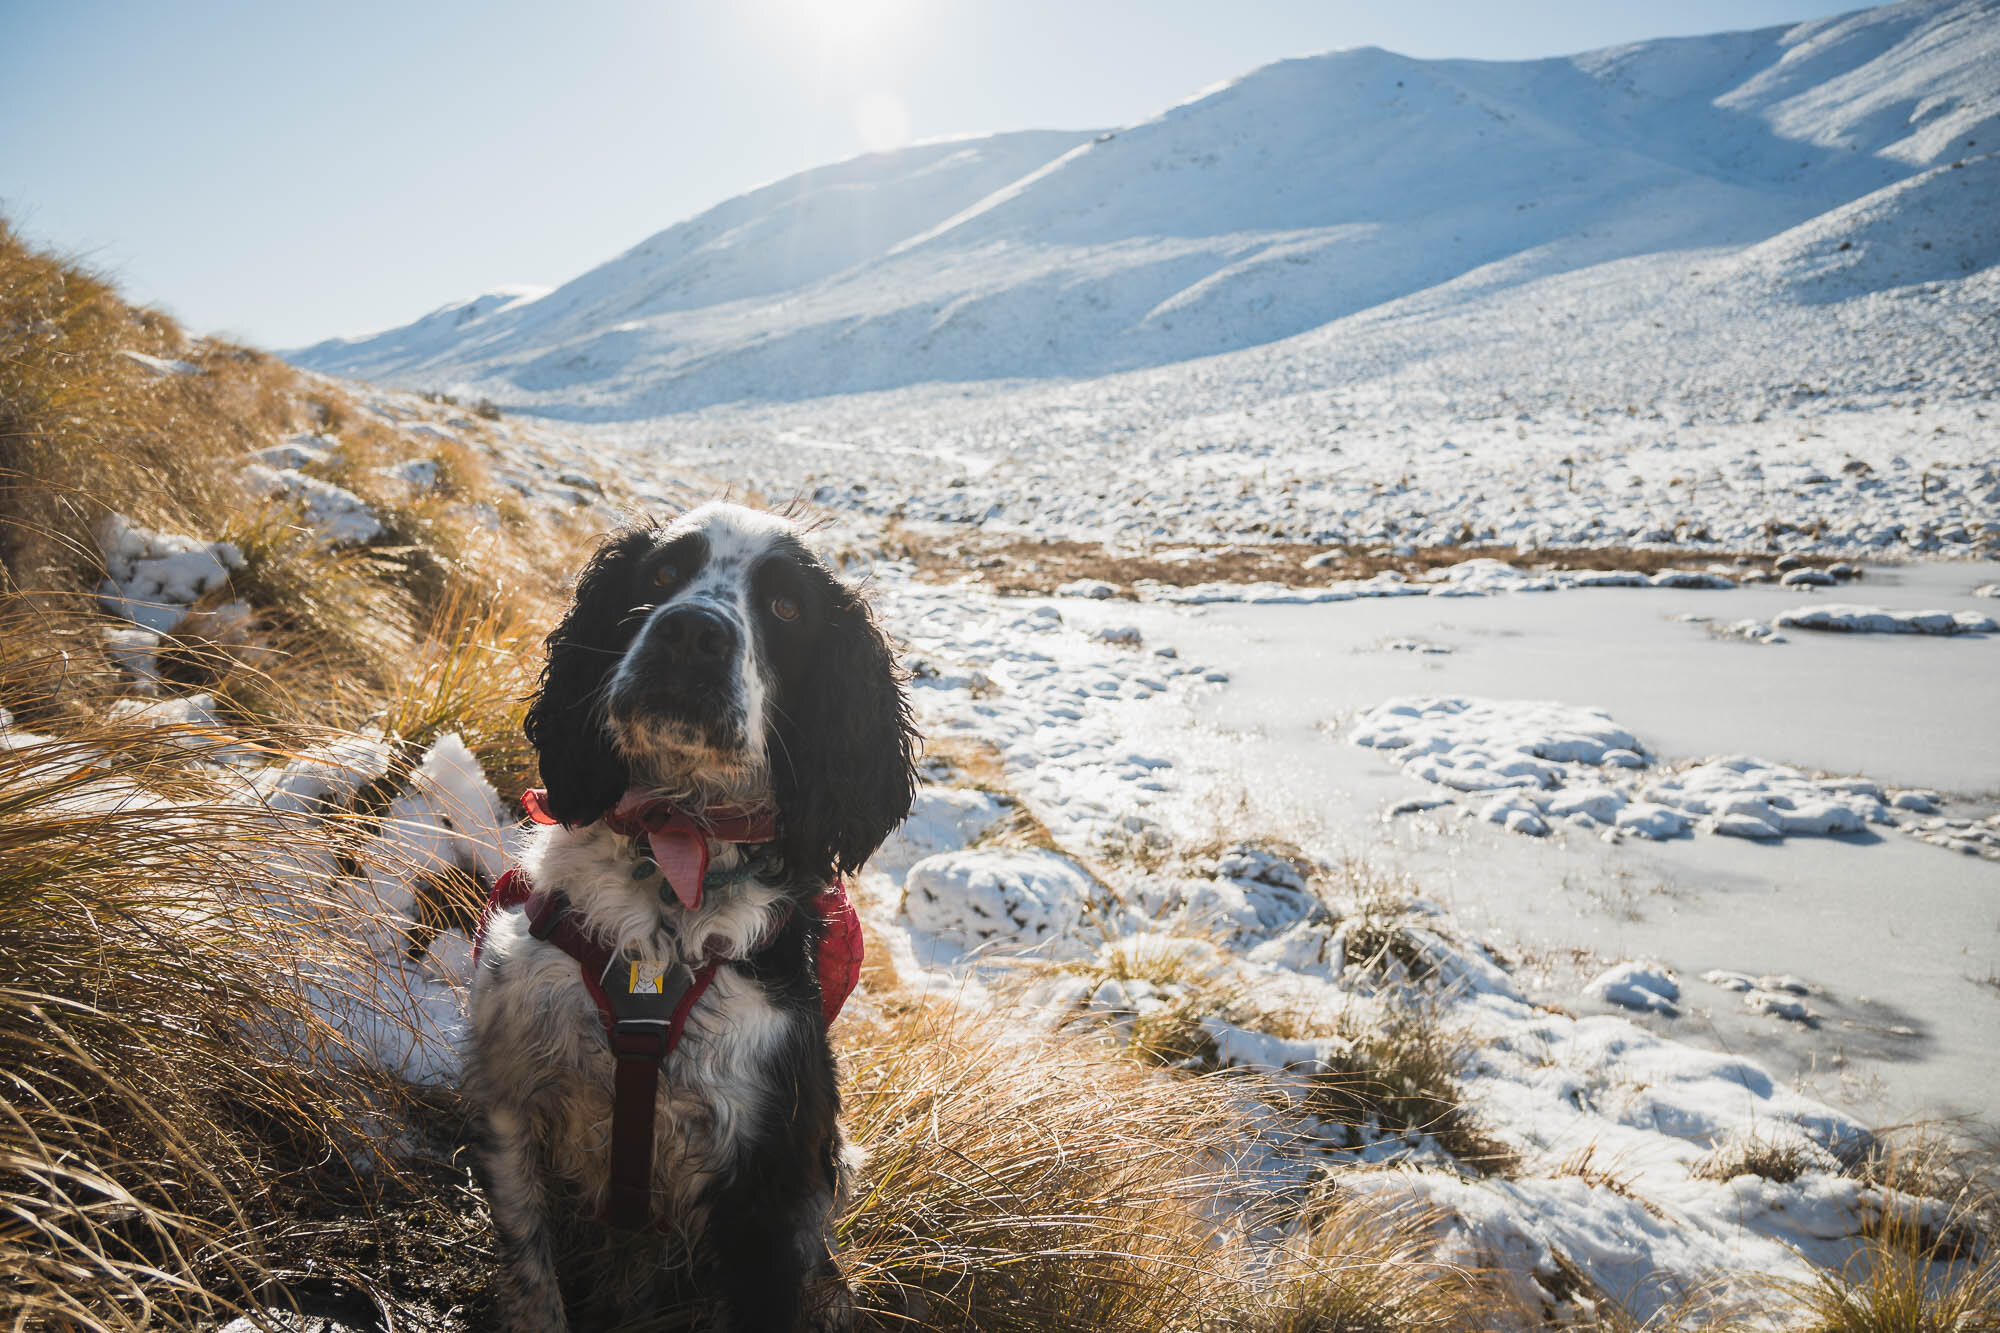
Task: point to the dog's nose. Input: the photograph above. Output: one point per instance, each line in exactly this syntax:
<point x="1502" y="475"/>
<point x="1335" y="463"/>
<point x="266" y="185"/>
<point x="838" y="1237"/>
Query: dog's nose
<point x="697" y="636"/>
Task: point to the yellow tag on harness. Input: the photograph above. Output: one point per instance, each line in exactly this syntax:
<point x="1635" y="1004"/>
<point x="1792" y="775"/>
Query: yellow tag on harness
<point x="648" y="979"/>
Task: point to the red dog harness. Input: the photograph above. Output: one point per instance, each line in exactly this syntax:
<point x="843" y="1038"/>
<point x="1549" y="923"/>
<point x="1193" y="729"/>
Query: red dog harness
<point x="644" y="1004"/>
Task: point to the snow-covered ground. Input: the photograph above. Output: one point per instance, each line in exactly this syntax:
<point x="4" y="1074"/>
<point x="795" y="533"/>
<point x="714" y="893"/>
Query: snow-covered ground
<point x="1632" y="737"/>
<point x="1729" y="292"/>
<point x="1098" y="846"/>
<point x="1649" y="1022"/>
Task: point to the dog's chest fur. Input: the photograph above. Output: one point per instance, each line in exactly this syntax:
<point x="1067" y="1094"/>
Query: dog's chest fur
<point x="541" y="1044"/>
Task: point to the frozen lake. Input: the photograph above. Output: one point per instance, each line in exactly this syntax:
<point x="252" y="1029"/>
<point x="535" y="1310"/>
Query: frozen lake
<point x="1903" y="937"/>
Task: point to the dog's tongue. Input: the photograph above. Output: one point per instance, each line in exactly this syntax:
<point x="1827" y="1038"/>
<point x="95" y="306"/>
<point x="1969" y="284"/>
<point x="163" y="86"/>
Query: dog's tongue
<point x="682" y="855"/>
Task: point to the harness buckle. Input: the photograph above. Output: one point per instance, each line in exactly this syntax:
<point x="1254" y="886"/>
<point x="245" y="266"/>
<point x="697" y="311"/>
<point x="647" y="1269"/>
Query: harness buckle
<point x="643" y="1039"/>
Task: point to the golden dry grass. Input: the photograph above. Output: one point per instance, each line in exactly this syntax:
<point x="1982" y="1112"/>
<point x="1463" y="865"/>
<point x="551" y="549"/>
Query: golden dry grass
<point x="166" y="1080"/>
<point x="1022" y="1182"/>
<point x="1888" y="1287"/>
<point x="1037" y="566"/>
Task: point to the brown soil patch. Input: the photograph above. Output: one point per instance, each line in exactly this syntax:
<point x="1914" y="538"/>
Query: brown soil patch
<point x="1009" y="563"/>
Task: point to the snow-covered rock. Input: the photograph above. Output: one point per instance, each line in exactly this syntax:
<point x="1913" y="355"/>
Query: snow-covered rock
<point x="1848" y="618"/>
<point x="160" y="365"/>
<point x="294" y="451"/>
<point x="1486" y="744"/>
<point x="1016" y="901"/>
<point x="1690" y="578"/>
<point x="1596" y="778"/>
<point x="942" y="819"/>
<point x="1647" y="987"/>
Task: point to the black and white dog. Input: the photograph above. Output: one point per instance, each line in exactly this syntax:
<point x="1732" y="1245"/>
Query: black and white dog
<point x="711" y="662"/>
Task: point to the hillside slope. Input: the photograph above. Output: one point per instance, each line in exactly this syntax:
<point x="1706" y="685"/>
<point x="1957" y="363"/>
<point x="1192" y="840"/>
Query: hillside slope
<point x="1305" y="193"/>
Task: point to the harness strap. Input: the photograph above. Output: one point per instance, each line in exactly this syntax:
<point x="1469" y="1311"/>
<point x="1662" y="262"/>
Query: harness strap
<point x="640" y="1048"/>
<point x="644" y="1008"/>
<point x="628" y="1204"/>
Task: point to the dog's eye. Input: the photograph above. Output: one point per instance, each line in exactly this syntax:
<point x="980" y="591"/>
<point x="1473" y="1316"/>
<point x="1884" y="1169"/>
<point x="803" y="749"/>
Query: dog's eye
<point x="667" y="575"/>
<point x="785" y="608"/>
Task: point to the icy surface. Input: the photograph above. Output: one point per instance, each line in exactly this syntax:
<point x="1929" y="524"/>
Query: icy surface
<point x="1906" y="713"/>
<point x="1057" y="704"/>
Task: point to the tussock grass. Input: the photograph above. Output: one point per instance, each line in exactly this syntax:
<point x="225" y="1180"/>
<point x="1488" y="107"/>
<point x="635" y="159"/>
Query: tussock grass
<point x="1368" y="1267"/>
<point x="1016" y="1183"/>
<point x="85" y="429"/>
<point x="1378" y="932"/>
<point x="1780" y="1157"/>
<point x="1036" y="566"/>
<point x="1194" y="990"/>
<point x="1584" y="1165"/>
<point x="1029" y="1183"/>
<point x="1953" y="1164"/>
<point x="1889" y="1288"/>
<point x="1399" y="1074"/>
<point x="166" y="1081"/>
<point x="472" y="675"/>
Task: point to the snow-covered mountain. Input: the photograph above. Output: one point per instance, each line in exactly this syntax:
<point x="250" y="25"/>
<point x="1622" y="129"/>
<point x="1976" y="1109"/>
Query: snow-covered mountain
<point x="1833" y="158"/>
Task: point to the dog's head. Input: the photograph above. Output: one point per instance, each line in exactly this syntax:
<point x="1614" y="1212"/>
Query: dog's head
<point x="716" y="659"/>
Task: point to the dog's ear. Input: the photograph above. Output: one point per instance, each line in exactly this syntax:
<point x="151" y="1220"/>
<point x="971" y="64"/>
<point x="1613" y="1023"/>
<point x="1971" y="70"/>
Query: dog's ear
<point x="846" y="769"/>
<point x="565" y="722"/>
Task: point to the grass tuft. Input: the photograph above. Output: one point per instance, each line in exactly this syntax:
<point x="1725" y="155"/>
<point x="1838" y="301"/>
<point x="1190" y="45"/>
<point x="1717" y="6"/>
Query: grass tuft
<point x="1779" y="1155"/>
<point x="1399" y="1074"/>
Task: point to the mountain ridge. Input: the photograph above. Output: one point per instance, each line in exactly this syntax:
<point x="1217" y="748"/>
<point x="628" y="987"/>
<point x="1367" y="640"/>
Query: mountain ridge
<point x="1305" y="192"/>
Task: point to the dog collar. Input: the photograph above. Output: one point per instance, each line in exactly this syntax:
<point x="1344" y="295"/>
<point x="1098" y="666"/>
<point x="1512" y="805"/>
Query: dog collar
<point x="678" y="839"/>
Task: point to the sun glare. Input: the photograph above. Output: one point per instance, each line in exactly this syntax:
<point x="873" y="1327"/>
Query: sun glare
<point x="882" y="121"/>
<point x="857" y="48"/>
<point x="852" y="30"/>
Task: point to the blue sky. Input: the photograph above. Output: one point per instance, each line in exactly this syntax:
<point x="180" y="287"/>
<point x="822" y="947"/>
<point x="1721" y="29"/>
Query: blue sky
<point x="285" y="172"/>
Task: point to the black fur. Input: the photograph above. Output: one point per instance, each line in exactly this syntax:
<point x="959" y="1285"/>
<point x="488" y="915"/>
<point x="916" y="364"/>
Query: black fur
<point x="584" y="775"/>
<point x="754" y="1258"/>
<point x="845" y="764"/>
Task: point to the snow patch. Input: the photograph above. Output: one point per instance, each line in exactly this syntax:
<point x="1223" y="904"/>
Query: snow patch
<point x="341" y="517"/>
<point x="152" y="578"/>
<point x="1648" y="987"/>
